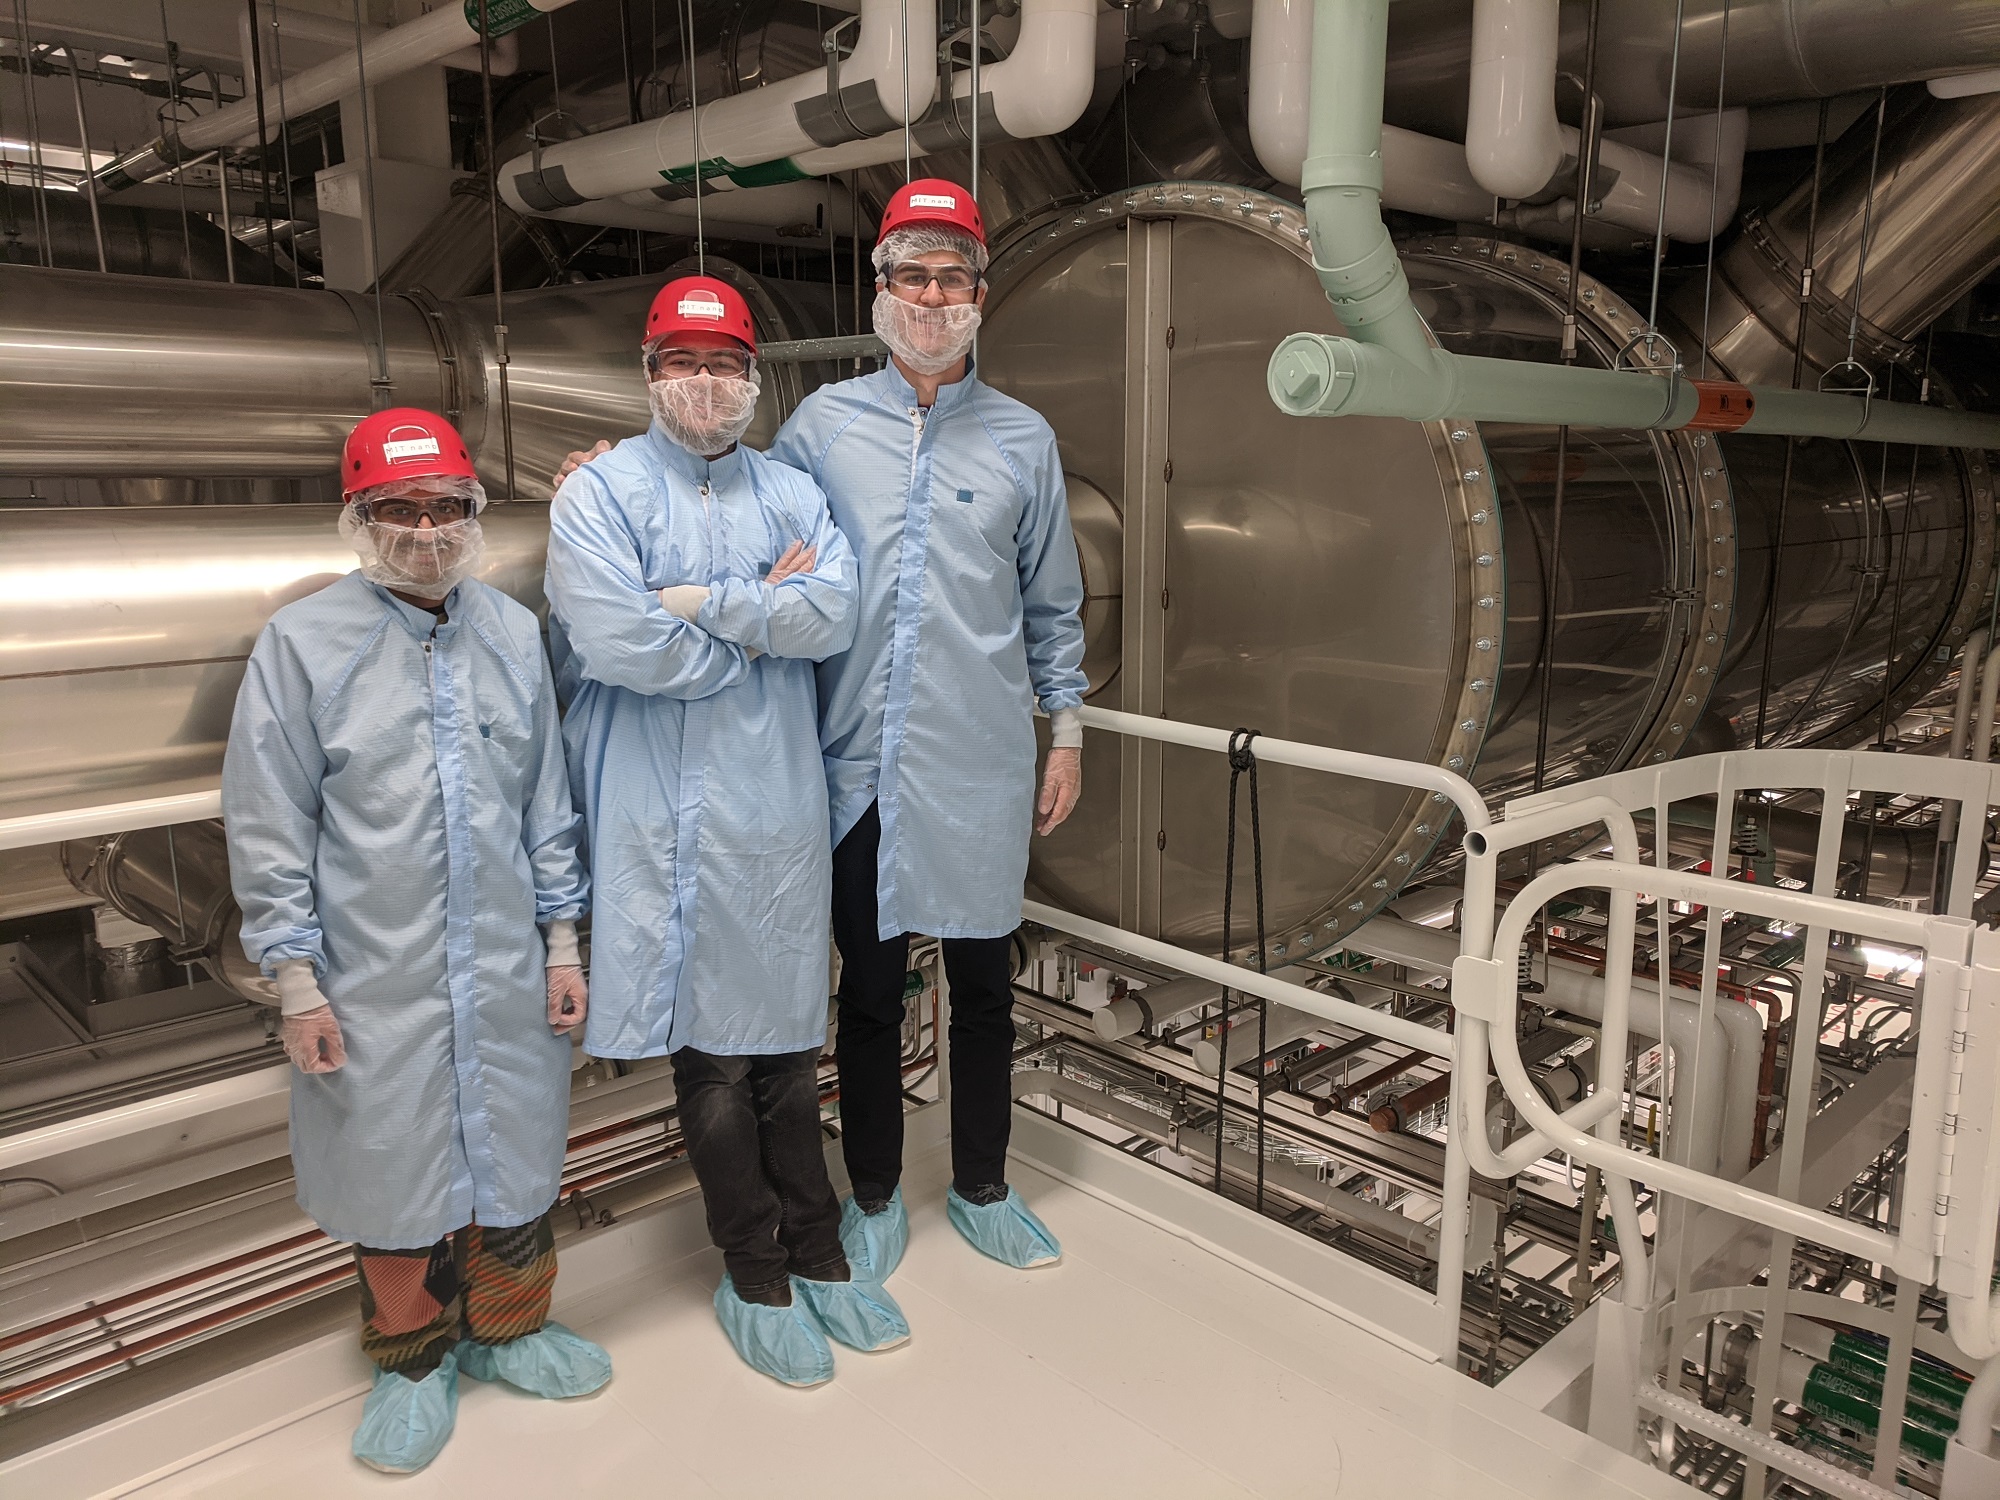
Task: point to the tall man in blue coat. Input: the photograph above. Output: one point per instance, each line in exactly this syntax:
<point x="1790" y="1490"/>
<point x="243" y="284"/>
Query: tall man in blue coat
<point x="952" y="497"/>
<point x="403" y="847"/>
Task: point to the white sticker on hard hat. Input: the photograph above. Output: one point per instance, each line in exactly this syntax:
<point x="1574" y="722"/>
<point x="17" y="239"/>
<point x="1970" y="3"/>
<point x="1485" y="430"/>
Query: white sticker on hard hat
<point x="702" y="305"/>
<point x="401" y="448"/>
<point x="932" y="200"/>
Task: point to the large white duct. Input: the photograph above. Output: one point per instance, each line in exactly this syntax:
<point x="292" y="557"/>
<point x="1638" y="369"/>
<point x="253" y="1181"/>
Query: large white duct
<point x="1040" y="88"/>
<point x="1717" y="1061"/>
<point x="888" y="80"/>
<point x="429" y="39"/>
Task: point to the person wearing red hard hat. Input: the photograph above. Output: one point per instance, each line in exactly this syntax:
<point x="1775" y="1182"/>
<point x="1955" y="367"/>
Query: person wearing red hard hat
<point x="693" y="585"/>
<point x="399" y="824"/>
<point x="952" y="496"/>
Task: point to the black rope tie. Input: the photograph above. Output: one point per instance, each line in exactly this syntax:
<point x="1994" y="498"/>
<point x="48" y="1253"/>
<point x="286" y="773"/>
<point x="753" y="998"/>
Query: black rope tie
<point x="1242" y="761"/>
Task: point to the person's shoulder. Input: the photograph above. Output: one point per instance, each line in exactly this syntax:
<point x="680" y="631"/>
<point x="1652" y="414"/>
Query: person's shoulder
<point x="624" y="468"/>
<point x="829" y="408"/>
<point x="783" y="479"/>
<point x="479" y="597"/>
<point x="1012" y="421"/>
<point x="345" y="604"/>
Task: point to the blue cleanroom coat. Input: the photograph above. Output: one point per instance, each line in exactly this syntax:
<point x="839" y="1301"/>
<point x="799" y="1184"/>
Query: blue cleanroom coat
<point x="398" y="813"/>
<point x="696" y="766"/>
<point x="969" y="613"/>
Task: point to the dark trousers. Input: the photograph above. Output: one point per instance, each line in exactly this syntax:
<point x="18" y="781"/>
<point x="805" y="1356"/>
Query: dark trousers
<point x="492" y="1285"/>
<point x="868" y="1041"/>
<point x="752" y="1129"/>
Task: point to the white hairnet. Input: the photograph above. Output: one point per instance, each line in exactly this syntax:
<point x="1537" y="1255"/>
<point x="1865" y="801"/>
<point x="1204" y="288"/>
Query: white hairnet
<point x="425" y="487"/>
<point x="914" y="240"/>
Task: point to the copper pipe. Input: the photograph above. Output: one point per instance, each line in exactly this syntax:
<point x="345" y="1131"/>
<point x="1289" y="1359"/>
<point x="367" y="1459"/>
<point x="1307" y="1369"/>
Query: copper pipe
<point x="1346" y="1094"/>
<point x="1397" y="1113"/>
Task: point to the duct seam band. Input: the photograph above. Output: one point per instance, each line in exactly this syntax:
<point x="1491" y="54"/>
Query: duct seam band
<point x="546" y="189"/>
<point x="1343" y="170"/>
<point x="855" y="113"/>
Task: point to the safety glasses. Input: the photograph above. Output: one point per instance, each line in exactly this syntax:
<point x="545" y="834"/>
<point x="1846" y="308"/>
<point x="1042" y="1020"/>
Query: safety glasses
<point x="442" y="511"/>
<point x="914" y="276"/>
<point x="676" y="364"/>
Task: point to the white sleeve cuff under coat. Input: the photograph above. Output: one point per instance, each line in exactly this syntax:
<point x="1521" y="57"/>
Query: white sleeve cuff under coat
<point x="298" y="987"/>
<point x="1065" y="729"/>
<point x="563" y="951"/>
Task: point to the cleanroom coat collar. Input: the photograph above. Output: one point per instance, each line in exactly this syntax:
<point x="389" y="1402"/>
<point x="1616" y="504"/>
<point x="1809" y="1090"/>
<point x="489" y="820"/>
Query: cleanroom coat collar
<point x="948" y="396"/>
<point x="419" y="622"/>
<point x="692" y="466"/>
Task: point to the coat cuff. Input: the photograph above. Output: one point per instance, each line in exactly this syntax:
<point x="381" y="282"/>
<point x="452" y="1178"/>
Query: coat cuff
<point x="1066" y="729"/>
<point x="563" y="951"/>
<point x="298" y="987"/>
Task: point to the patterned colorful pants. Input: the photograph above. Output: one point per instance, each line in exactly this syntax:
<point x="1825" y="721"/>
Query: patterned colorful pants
<point x="492" y="1285"/>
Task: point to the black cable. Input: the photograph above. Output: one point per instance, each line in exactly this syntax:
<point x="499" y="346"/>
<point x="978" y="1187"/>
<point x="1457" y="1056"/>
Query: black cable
<point x="1242" y="759"/>
<point x="263" y="143"/>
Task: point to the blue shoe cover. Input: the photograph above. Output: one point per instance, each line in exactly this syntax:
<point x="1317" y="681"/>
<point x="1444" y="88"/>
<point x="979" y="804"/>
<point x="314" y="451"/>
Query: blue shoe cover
<point x="781" y="1342"/>
<point x="874" y="1242"/>
<point x="1008" y="1231"/>
<point x="550" y="1362"/>
<point x="405" y="1423"/>
<point x="859" y="1314"/>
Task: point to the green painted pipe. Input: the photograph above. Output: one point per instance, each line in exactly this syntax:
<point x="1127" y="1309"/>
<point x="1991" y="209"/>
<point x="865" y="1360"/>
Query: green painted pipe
<point x="1388" y="366"/>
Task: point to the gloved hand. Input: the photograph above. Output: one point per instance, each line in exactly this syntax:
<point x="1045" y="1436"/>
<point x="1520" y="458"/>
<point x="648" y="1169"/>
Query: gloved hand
<point x="1062" y="784"/>
<point x="313" y="1041"/>
<point x="569" y="999"/>
<point x="579" y="458"/>
<point x="798" y="558"/>
<point x="684" y="600"/>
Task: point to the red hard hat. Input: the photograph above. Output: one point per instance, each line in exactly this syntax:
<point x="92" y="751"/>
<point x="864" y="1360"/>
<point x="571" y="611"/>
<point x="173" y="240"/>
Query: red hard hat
<point x="700" y="303"/>
<point x="403" y="442"/>
<point x="932" y="200"/>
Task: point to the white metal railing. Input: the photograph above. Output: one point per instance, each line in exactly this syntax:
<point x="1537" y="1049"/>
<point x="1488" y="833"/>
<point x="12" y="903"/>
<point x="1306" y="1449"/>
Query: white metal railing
<point x="1946" y="1228"/>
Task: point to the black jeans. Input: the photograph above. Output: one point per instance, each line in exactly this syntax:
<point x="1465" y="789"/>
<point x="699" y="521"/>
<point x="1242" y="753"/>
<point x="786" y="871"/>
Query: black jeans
<point x="752" y="1128"/>
<point x="868" y="1041"/>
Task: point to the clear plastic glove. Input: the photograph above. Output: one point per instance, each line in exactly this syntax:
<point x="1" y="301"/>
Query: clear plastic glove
<point x="798" y="558"/>
<point x="581" y="457"/>
<point x="569" y="999"/>
<point x="684" y="600"/>
<point x="1062" y="784"/>
<point x="313" y="1041"/>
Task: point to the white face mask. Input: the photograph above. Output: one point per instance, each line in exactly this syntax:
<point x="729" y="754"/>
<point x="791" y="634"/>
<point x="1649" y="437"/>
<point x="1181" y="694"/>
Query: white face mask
<point x="427" y="561"/>
<point x="704" y="413"/>
<point x="930" y="340"/>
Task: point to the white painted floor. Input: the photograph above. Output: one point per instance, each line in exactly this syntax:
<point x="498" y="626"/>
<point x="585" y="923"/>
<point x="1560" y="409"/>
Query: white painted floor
<point x="1140" y="1366"/>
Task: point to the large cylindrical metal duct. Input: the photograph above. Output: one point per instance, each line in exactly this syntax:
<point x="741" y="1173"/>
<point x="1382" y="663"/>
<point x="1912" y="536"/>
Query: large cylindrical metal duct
<point x="1372" y="584"/>
<point x="125" y="632"/>
<point x="130" y="376"/>
<point x="1931" y="233"/>
<point x="1887" y="551"/>
<point x="1778" y="50"/>
<point x="138" y="241"/>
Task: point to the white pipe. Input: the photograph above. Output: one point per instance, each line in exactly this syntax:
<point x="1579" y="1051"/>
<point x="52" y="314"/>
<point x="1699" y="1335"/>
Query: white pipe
<point x="1040" y="88"/>
<point x="303" y="28"/>
<point x="1515" y="147"/>
<point x="1155" y="1005"/>
<point x="1513" y="143"/>
<point x="1420" y="174"/>
<point x="881" y="86"/>
<point x="1723" y="1061"/>
<point x="1283" y="1026"/>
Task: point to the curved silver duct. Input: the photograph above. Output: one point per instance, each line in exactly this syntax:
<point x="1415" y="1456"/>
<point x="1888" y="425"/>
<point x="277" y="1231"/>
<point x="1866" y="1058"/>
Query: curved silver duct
<point x="138" y="241"/>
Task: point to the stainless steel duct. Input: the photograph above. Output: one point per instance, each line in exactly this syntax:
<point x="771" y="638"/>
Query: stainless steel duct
<point x="125" y="632"/>
<point x="1887" y="551"/>
<point x="201" y="380"/>
<point x="152" y="240"/>
<point x="174" y="880"/>
<point x="1778" y="50"/>
<point x="1932" y="234"/>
